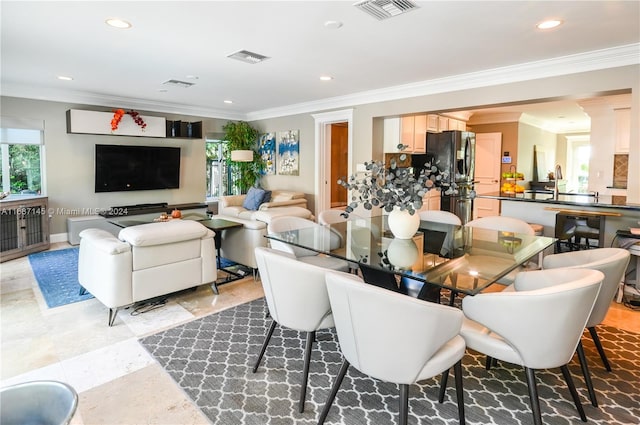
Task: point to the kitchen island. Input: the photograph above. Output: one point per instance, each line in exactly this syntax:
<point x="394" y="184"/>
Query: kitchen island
<point x="541" y="208"/>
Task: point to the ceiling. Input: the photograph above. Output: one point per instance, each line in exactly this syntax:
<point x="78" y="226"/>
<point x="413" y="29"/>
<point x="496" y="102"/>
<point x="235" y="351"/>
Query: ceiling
<point x="367" y="58"/>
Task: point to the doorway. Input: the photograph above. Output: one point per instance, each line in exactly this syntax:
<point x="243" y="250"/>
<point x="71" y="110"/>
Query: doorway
<point x="325" y="181"/>
<point x="339" y="146"/>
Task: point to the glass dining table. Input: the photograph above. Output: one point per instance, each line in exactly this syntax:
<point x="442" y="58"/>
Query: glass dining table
<point x="443" y="256"/>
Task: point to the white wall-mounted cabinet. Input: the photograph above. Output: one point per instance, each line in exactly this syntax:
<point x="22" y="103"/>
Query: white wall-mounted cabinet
<point x="623" y="129"/>
<point x="96" y="122"/>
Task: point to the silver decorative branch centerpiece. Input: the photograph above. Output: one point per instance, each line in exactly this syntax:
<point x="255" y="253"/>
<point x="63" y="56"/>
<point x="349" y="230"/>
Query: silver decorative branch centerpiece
<point x="395" y="188"/>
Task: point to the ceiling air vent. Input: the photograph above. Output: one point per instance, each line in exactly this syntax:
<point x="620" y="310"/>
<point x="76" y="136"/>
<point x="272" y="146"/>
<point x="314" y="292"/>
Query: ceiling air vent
<point x="178" y="83"/>
<point x="247" y="56"/>
<point x="384" y="9"/>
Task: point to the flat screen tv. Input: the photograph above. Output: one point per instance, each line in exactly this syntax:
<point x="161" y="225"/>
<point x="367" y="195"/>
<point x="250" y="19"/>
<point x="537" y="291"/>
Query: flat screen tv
<point x="124" y="168"/>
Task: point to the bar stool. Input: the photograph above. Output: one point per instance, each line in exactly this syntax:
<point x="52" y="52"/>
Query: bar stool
<point x="632" y="286"/>
<point x="588" y="228"/>
<point x="565" y="231"/>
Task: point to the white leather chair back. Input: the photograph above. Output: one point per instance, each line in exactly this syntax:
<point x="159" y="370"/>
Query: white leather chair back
<point x="505" y="224"/>
<point x="333" y="216"/>
<point x="295" y="292"/>
<point x="386" y="335"/>
<point x="440" y="217"/>
<point x="543" y="319"/>
<point x="612" y="262"/>
<point x="289" y="223"/>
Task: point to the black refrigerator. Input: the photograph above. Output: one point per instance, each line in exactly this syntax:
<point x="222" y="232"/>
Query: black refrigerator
<point x="454" y="151"/>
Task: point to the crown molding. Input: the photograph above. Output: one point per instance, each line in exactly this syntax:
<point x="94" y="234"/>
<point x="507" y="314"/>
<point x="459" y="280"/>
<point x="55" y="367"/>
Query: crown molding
<point x="582" y="62"/>
<point x="94" y="99"/>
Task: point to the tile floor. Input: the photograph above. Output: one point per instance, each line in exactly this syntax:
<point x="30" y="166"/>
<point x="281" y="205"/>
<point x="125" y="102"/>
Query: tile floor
<point x="117" y="381"/>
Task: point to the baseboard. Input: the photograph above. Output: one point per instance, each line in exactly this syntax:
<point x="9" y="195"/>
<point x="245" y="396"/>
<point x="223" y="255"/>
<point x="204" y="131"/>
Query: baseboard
<point x="58" y="237"/>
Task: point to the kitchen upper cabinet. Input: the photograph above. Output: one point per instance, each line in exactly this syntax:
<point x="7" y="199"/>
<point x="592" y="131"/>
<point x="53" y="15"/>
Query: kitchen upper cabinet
<point x="623" y="129"/>
<point x="413" y="133"/>
<point x="443" y="124"/>
<point x="457" y="125"/>
<point x="407" y="132"/>
<point x="433" y="123"/>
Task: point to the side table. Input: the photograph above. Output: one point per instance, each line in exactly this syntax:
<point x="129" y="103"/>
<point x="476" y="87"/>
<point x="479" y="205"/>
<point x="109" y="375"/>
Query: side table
<point x="218" y="225"/>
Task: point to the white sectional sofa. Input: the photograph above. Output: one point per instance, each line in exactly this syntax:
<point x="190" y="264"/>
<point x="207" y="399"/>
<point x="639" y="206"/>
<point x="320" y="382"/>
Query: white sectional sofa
<point x="238" y="244"/>
<point x="145" y="261"/>
<point x="282" y="202"/>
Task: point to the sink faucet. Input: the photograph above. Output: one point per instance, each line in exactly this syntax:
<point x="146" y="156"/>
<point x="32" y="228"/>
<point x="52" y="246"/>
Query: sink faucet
<point x="558" y="175"/>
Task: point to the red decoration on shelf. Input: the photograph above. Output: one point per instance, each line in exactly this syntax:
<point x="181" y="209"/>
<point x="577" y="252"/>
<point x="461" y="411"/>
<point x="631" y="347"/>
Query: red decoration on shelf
<point x="119" y="113"/>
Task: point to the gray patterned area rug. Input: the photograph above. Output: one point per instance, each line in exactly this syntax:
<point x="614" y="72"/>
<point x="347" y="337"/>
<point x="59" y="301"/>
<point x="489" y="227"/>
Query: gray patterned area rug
<point x="211" y="359"/>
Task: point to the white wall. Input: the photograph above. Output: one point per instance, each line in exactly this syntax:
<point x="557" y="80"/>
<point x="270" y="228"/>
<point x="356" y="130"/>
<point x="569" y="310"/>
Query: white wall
<point x="69" y="162"/>
<point x="70" y="157"/>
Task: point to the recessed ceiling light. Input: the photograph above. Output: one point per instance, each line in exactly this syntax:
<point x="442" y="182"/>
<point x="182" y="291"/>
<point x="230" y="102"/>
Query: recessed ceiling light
<point x="326" y="78"/>
<point x="228" y="101"/>
<point x="64" y="78"/>
<point x="547" y="25"/>
<point x="118" y="23"/>
<point x="333" y="25"/>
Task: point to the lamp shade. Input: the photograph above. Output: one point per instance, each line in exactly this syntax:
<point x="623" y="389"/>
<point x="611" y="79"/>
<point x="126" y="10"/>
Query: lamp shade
<point x="242" y="156"/>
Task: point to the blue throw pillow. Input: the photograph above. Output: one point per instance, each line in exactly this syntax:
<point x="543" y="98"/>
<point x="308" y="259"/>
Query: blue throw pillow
<point x="253" y="199"/>
<point x="267" y="196"/>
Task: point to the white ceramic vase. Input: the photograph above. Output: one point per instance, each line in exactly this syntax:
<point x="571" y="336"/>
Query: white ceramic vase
<point x="402" y="253"/>
<point x="402" y="224"/>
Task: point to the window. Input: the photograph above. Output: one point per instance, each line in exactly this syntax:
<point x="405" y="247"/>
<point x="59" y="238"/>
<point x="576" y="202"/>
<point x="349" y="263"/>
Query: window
<point x="578" y="155"/>
<point x="220" y="175"/>
<point x="21" y="154"/>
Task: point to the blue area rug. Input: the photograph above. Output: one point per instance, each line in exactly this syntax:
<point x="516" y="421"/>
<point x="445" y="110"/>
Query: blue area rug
<point x="57" y="275"/>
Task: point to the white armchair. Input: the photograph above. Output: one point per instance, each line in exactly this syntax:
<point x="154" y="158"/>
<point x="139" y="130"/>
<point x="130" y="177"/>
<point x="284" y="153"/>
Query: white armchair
<point x="290" y="224"/>
<point x="296" y="295"/>
<point x="426" y="344"/>
<point x="145" y="261"/>
<point x="537" y="326"/>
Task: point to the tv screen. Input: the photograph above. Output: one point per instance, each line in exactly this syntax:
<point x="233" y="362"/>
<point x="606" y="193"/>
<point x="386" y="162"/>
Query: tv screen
<point x="124" y="168"/>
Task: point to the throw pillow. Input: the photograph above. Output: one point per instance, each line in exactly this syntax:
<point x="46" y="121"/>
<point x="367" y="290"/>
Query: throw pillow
<point x="267" y="196"/>
<point x="253" y="199"/>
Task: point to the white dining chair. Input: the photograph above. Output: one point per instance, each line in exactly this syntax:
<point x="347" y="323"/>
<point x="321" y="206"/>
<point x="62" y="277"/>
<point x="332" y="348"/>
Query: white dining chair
<point x="537" y="326"/>
<point x="423" y="290"/>
<point x="613" y="263"/>
<point x="296" y="296"/>
<point x="289" y="224"/>
<point x="502" y="223"/>
<point x="439" y="216"/>
<point x="513" y="225"/>
<point x="329" y="217"/>
<point x="425" y="345"/>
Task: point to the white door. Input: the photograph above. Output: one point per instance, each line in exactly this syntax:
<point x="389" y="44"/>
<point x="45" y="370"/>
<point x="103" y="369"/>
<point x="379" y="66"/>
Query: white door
<point x="487" y="176"/>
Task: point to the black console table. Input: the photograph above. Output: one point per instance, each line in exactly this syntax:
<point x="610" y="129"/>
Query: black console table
<point x="160" y="207"/>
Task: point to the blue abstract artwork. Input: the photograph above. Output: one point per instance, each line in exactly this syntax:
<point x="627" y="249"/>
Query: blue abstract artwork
<point x="267" y="152"/>
<point x="289" y="152"/>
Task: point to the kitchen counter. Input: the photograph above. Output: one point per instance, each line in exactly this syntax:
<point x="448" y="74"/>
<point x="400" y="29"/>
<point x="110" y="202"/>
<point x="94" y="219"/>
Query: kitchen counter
<point x="541" y="208"/>
<point x="570" y="200"/>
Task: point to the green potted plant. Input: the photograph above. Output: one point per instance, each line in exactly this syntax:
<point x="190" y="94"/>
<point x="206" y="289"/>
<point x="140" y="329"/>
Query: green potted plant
<point x="240" y="136"/>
